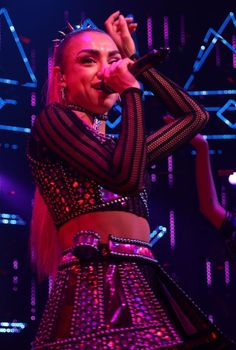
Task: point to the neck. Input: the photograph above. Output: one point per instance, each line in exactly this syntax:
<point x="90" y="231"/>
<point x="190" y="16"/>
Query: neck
<point x="94" y="115"/>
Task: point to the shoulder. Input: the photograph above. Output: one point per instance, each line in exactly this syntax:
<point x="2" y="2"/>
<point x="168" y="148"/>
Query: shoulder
<point x="54" y="111"/>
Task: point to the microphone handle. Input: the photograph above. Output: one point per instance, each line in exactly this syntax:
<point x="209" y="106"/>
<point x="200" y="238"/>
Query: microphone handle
<point x="149" y="60"/>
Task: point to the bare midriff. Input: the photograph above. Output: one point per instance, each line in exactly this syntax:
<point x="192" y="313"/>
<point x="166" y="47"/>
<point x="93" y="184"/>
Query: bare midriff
<point x="121" y="224"/>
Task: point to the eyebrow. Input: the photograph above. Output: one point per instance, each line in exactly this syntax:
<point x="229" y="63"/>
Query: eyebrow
<point x="97" y="52"/>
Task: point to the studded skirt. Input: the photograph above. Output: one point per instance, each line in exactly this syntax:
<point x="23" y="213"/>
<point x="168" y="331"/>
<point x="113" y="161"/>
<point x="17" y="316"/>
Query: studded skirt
<point x="117" y="296"/>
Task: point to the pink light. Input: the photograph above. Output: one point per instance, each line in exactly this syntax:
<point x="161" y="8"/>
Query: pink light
<point x="208" y="273"/>
<point x="227" y="273"/>
<point x="172" y="229"/>
<point x="234" y="46"/>
<point x="33" y="99"/>
<point x="166" y="31"/>
<point x="149" y="32"/>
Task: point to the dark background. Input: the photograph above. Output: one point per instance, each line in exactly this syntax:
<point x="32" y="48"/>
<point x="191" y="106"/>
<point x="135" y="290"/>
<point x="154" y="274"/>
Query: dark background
<point x="196" y="241"/>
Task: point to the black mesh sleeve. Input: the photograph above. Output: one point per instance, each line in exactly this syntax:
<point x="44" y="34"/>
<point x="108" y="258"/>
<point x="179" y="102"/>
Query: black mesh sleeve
<point x="190" y="116"/>
<point x="120" y="167"/>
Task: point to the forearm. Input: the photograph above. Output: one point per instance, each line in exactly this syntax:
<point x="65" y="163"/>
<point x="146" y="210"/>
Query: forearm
<point x="189" y="116"/>
<point x="208" y="199"/>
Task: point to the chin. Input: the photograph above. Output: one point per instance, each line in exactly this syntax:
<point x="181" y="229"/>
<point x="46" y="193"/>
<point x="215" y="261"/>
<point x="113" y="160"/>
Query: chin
<point x="108" y="103"/>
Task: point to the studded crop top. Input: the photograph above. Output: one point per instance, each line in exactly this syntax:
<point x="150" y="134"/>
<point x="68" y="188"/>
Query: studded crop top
<point x="79" y="170"/>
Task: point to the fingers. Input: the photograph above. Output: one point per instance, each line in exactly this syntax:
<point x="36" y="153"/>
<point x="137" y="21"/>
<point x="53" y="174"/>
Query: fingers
<point x="131" y="25"/>
<point x="111" y="19"/>
<point x="120" y="22"/>
<point x="123" y="26"/>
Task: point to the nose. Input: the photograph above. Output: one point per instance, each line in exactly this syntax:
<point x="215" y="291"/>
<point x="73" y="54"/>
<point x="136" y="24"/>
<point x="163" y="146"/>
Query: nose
<point x="101" y="70"/>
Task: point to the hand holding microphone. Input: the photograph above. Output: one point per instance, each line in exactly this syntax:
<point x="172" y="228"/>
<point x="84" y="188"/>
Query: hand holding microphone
<point x="151" y="59"/>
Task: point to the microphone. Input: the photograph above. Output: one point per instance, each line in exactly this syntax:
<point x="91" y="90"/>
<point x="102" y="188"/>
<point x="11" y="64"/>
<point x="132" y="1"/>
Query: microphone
<point x="151" y="59"/>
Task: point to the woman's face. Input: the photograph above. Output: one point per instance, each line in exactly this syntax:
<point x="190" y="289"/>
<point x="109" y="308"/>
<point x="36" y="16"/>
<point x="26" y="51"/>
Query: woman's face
<point x="86" y="55"/>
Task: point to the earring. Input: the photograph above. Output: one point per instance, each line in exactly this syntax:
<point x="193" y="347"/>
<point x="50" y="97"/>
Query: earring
<point x="63" y="95"/>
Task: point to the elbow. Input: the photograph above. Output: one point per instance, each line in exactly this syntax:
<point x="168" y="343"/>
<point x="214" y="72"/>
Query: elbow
<point x="203" y="118"/>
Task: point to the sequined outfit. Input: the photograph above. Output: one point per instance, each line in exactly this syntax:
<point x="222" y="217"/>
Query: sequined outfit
<point x="103" y="297"/>
<point x="116" y="296"/>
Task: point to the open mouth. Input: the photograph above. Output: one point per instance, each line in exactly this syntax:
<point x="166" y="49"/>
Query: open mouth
<point x="98" y="87"/>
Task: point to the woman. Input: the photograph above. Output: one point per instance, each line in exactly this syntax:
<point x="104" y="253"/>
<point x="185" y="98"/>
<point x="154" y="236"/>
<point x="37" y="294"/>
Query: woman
<point x="109" y="292"/>
<point x="223" y="220"/>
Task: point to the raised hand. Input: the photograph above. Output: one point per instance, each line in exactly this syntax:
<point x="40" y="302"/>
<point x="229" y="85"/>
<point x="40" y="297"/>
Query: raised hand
<point x="120" y="29"/>
<point x="117" y="76"/>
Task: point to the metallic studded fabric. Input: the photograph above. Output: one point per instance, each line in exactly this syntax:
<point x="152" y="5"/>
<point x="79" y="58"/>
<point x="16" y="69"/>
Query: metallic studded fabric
<point x="113" y="297"/>
<point x="68" y="194"/>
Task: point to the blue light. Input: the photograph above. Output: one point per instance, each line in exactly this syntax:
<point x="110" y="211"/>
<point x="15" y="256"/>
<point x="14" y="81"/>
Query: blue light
<point x="114" y="124"/>
<point x="157" y="234"/>
<point x="204" y="52"/>
<point x="215" y="109"/>
<point x="15" y="128"/>
<point x="3" y="102"/>
<point x="12" y="327"/>
<point x="11" y="219"/>
<point x="220" y="112"/>
<point x="220" y="137"/>
<point x="33" y="82"/>
<point x="9" y="81"/>
<point x="212" y="92"/>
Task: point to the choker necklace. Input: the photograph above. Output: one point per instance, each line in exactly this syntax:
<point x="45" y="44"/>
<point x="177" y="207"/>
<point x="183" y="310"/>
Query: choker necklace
<point x="84" y="110"/>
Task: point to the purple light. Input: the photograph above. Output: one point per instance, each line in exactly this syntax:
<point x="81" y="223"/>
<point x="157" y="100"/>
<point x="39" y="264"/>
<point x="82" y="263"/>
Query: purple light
<point x="223" y="197"/>
<point x="33" y="300"/>
<point x="50" y="284"/>
<point x="208" y="273"/>
<point x="153" y="177"/>
<point x="232" y="178"/>
<point x="227" y="273"/>
<point x="172" y="229"/>
<point x="234" y="46"/>
<point x="149" y="32"/>
<point x="15" y="264"/>
<point x="170" y="171"/>
<point x="33" y="117"/>
<point x="33" y="99"/>
<point x="166" y="31"/>
<point x="50" y="62"/>
<point x="211" y="318"/>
